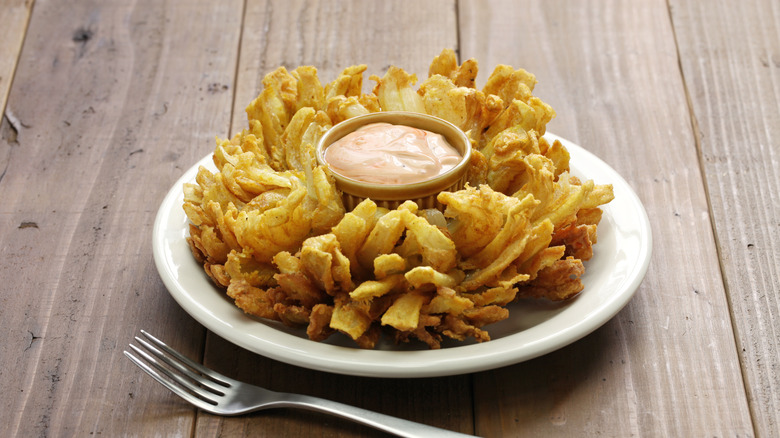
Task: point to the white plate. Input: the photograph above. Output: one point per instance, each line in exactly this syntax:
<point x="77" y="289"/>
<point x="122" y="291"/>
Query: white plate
<point x="534" y="328"/>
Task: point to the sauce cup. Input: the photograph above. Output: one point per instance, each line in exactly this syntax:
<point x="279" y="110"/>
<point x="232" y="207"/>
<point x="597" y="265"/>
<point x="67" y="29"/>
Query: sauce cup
<point x="390" y="196"/>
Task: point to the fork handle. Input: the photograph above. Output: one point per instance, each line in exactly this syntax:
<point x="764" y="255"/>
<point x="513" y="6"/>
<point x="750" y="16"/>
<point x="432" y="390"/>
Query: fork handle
<point x="387" y="423"/>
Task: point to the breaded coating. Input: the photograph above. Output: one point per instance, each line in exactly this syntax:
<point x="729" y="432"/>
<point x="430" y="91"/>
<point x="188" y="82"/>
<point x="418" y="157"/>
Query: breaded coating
<point x="270" y="228"/>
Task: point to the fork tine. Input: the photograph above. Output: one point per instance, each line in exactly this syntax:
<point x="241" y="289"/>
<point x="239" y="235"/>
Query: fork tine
<point x="204" y="381"/>
<point x="205" y="392"/>
<point x="217" y="377"/>
<point x="174" y="388"/>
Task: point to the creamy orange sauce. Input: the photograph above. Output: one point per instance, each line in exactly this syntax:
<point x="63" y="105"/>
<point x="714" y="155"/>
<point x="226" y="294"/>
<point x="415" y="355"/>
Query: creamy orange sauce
<point x="391" y="154"/>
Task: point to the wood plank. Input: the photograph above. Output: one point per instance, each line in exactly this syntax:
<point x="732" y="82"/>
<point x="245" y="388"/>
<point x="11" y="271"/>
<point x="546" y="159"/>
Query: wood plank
<point x="665" y="365"/>
<point x="14" y="16"/>
<point x="115" y="100"/>
<point x="731" y="65"/>
<point x="332" y="36"/>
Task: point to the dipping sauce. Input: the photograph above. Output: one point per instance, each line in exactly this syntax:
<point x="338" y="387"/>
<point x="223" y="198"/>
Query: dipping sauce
<point x="391" y="154"/>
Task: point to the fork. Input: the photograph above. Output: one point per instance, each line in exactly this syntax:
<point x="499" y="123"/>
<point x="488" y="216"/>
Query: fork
<point x="221" y="395"/>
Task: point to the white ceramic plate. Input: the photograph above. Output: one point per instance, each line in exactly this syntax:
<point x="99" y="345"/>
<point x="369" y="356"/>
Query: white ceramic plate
<point x="534" y="328"/>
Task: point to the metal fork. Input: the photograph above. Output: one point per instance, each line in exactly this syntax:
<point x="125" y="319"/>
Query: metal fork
<point x="221" y="395"/>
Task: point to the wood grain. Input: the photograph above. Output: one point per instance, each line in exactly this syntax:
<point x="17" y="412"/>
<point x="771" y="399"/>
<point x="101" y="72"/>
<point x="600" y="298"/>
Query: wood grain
<point x="14" y="15"/>
<point x="666" y="365"/>
<point x="115" y="102"/>
<point x="731" y="66"/>
<point x="334" y="35"/>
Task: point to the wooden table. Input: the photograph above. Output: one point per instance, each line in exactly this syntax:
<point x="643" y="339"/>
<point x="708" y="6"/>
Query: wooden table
<point x="106" y="103"/>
